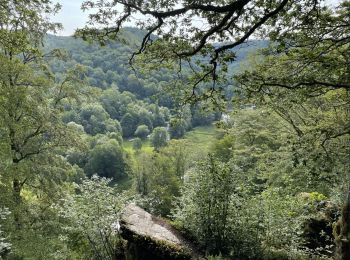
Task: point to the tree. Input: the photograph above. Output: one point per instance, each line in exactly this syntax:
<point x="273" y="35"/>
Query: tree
<point x="137" y="144"/>
<point x="307" y="85"/>
<point x="142" y="131"/>
<point x="116" y="103"/>
<point x="205" y="205"/>
<point x="156" y="180"/>
<point x="32" y="133"/>
<point x="92" y="212"/>
<point x="135" y="86"/>
<point x="129" y="124"/>
<point x="159" y="137"/>
<point x="177" y="151"/>
<point x="229" y="22"/>
<point x="177" y="128"/>
<point x="106" y="160"/>
<point x="159" y="118"/>
<point x="96" y="120"/>
<point x="223" y="148"/>
<point x="144" y="118"/>
<point x="20" y="91"/>
<point x="201" y="117"/>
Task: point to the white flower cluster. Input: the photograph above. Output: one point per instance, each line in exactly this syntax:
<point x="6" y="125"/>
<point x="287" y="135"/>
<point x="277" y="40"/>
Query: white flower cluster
<point x="3" y="244"/>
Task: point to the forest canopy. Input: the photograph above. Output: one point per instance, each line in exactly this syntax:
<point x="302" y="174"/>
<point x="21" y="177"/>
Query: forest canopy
<point x="229" y="120"/>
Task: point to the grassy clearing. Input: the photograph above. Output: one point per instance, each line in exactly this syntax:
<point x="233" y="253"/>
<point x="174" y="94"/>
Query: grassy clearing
<point x="199" y="141"/>
<point x="146" y="146"/>
<point x="202" y="137"/>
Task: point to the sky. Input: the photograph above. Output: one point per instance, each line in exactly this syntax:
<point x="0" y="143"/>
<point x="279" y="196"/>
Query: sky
<point x="72" y="17"/>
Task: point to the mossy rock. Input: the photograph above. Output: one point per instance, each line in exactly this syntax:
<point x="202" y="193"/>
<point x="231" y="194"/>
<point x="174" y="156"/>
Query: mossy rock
<point x="150" y="237"/>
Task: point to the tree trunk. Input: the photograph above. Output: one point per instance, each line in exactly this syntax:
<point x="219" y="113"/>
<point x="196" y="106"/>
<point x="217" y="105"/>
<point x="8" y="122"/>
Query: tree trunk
<point x="17" y="187"/>
<point x="342" y="232"/>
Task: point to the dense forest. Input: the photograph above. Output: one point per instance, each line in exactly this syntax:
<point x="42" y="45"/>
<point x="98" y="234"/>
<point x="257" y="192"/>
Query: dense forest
<point x="237" y="136"/>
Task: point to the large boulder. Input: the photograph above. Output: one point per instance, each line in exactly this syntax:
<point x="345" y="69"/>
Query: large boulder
<point x="150" y="237"/>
